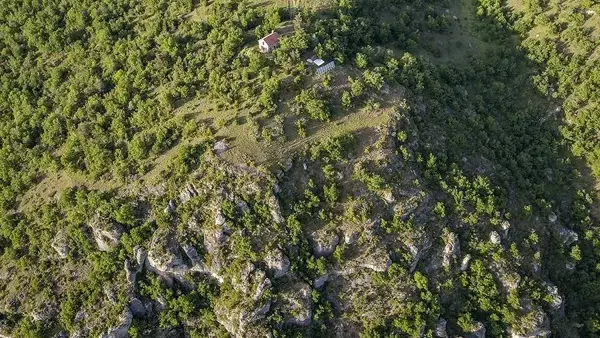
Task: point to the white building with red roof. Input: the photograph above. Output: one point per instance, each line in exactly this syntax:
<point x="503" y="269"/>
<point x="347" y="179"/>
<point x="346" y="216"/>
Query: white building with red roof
<point x="269" y="42"/>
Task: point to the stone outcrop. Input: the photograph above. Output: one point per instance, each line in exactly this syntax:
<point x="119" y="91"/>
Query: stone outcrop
<point x="451" y="249"/>
<point x="278" y="263"/>
<point x="245" y="318"/>
<point x="495" y="238"/>
<point x="220" y="147"/>
<point x="120" y="331"/>
<point x="464" y="264"/>
<point x="170" y="207"/>
<point x="375" y="259"/>
<point x="60" y="244"/>
<point x="440" y="328"/>
<point x="187" y="193"/>
<point x="140" y="257"/>
<point x="534" y="324"/>
<point x="324" y="242"/>
<point x="567" y="236"/>
<point x="164" y="257"/>
<point x="130" y="274"/>
<point x="556" y="302"/>
<point x="295" y="304"/>
<point x="477" y="332"/>
<point x="417" y="250"/>
<point x="44" y="311"/>
<point x="106" y="232"/>
<point x="137" y="308"/>
<point x="275" y="210"/>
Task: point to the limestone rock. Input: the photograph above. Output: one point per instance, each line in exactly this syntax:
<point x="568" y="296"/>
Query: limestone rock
<point x="140" y="257"/>
<point x="505" y="227"/>
<point x="324" y="242"/>
<point x="170" y="208"/>
<point x="277" y="262"/>
<point x="377" y="260"/>
<point x="45" y="311"/>
<point x="556" y="302"/>
<point x="192" y="255"/>
<point x="451" y="249"/>
<point x="275" y="210"/>
<point x="534" y="324"/>
<point x="261" y="284"/>
<point x="495" y="238"/>
<point x="464" y="265"/>
<point x="417" y="250"/>
<point x="319" y="282"/>
<point x="121" y="330"/>
<point x="567" y="236"/>
<point x="137" y="308"/>
<point x="244" y="319"/>
<point x="106" y="233"/>
<point x="296" y="305"/>
<point x="130" y="272"/>
<point x="60" y="244"/>
<point x="219" y="218"/>
<point x="388" y="197"/>
<point x="350" y="237"/>
<point x="188" y="193"/>
<point x="220" y="147"/>
<point x="478" y="332"/>
<point x="164" y="257"/>
<point x="440" y="328"/>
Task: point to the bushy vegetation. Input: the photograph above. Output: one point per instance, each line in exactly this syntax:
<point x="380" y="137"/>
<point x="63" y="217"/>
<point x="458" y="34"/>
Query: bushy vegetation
<point x="470" y="153"/>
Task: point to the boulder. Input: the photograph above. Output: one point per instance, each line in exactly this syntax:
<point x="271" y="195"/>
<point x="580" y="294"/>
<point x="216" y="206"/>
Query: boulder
<point x="120" y="331"/>
<point x="140" y="257"/>
<point x="60" y="244"/>
<point x="187" y="193"/>
<point x="137" y="308"/>
<point x="495" y="238"/>
<point x="534" y="324"/>
<point x="388" y="197"/>
<point x="275" y="210"/>
<point x="556" y="300"/>
<point x="170" y="208"/>
<point x="260" y="283"/>
<point x="245" y="318"/>
<point x="451" y="249"/>
<point x="567" y="236"/>
<point x="324" y="242"/>
<point x="192" y="254"/>
<point x="278" y="263"/>
<point x="375" y="259"/>
<point x="440" y="328"/>
<point x="242" y="282"/>
<point x="164" y="257"/>
<point x="350" y="237"/>
<point x="417" y="252"/>
<point x="477" y="332"/>
<point x="220" y="147"/>
<point x="505" y="227"/>
<point x="219" y="219"/>
<point x="106" y="232"/>
<point x="464" y="265"/>
<point x="296" y="305"/>
<point x="130" y="272"/>
<point x="319" y="282"/>
<point x="45" y="311"/>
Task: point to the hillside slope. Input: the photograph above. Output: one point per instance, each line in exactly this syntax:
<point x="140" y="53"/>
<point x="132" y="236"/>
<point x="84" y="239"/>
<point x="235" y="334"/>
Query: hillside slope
<point x="162" y="178"/>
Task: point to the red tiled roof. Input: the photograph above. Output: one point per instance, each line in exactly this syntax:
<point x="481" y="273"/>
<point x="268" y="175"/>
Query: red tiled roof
<point x="271" y="39"/>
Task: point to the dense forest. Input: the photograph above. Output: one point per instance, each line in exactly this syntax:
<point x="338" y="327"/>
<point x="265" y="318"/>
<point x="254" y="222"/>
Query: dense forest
<point x="161" y="177"/>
